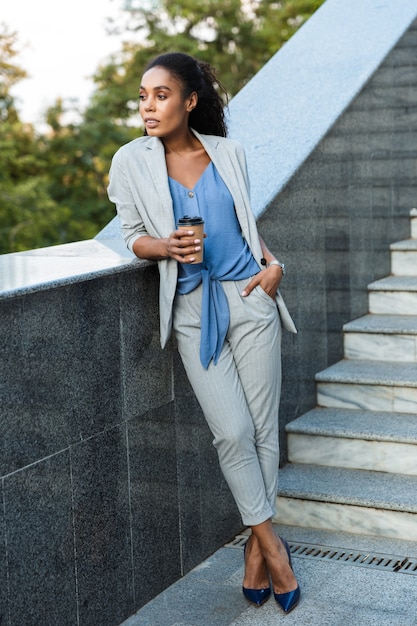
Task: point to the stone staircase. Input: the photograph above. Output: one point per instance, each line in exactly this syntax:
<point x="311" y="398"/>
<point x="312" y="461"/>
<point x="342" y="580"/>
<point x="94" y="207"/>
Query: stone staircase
<point x="353" y="459"/>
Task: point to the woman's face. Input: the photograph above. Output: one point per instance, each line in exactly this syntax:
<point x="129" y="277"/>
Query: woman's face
<point x="162" y="105"/>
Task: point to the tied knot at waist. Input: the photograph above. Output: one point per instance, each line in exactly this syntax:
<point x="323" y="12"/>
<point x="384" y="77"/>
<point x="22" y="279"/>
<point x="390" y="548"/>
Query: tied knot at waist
<point x="215" y="317"/>
<point x="215" y="313"/>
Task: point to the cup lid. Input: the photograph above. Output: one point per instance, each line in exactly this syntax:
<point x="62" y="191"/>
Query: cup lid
<point x="187" y="220"/>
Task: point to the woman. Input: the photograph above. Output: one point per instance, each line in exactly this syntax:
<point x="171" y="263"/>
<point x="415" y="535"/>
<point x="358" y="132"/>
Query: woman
<point x="226" y="312"/>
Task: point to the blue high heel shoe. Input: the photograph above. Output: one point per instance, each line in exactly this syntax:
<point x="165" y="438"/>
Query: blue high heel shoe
<point x="257" y="597"/>
<point x="288" y="601"/>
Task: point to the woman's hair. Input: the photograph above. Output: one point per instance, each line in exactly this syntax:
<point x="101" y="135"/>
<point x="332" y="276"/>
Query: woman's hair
<point x="198" y="76"/>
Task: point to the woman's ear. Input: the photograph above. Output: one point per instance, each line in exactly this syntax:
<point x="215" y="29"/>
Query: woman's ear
<point x="192" y="101"/>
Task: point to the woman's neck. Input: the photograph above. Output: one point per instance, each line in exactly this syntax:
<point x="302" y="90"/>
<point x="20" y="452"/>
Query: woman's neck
<point x="181" y="145"/>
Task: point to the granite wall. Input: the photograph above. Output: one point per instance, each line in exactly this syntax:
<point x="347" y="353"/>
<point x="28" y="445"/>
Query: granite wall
<point x="110" y="485"/>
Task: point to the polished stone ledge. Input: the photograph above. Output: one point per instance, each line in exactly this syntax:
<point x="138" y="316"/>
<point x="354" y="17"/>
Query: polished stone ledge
<point x="43" y="268"/>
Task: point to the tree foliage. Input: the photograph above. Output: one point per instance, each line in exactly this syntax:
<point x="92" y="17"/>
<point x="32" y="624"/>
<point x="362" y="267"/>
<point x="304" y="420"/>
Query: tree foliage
<point x="28" y="214"/>
<point x="53" y="184"/>
<point x="237" y="37"/>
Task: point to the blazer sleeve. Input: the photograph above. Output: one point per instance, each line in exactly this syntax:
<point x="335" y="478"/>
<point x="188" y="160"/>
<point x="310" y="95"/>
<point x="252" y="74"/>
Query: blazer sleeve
<point x="120" y="193"/>
<point x="286" y="318"/>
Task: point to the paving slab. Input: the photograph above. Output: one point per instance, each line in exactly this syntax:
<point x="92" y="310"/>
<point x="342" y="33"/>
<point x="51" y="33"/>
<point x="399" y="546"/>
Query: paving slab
<point x="333" y="593"/>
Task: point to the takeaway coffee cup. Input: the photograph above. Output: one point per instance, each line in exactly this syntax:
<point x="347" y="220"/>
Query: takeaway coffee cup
<point x="195" y="224"/>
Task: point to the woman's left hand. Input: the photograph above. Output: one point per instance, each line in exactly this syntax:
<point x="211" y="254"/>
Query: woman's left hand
<point x="269" y="280"/>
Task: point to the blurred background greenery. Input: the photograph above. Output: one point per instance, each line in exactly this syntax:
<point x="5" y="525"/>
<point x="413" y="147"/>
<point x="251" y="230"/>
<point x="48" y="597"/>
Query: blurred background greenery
<point x="53" y="182"/>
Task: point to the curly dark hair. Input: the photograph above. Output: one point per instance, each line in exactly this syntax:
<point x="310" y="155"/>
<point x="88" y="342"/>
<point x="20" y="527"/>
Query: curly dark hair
<point x="208" y="115"/>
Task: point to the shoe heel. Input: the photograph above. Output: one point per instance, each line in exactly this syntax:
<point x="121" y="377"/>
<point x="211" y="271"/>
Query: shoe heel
<point x="288" y="601"/>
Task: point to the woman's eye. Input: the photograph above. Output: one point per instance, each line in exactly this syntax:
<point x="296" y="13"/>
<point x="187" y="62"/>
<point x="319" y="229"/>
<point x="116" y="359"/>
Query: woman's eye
<point x="161" y="96"/>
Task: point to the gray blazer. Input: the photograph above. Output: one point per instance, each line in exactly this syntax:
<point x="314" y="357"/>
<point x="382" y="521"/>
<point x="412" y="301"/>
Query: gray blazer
<point x="140" y="190"/>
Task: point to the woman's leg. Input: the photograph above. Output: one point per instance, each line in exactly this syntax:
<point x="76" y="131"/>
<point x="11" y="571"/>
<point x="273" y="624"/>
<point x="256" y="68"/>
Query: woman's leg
<point x="266" y="545"/>
<point x="222" y="398"/>
<point x="259" y="348"/>
<point x="240" y="399"/>
<point x="255" y="339"/>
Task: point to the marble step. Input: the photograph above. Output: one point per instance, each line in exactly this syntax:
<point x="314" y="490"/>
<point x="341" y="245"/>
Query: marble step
<point x="356" y="439"/>
<point x="381" y="338"/>
<point x="404" y="258"/>
<point x="348" y="500"/>
<point x="393" y="295"/>
<point x="413" y="220"/>
<point x="372" y="385"/>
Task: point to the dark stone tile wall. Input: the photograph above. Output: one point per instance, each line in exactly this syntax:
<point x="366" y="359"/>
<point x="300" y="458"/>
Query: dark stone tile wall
<point x="40" y="544"/>
<point x="335" y="220"/>
<point x="102" y="527"/>
<point x="58" y="373"/>
<point x="111" y="488"/>
<point x="143" y="366"/>
<point x="155" y="501"/>
<point x="4" y="588"/>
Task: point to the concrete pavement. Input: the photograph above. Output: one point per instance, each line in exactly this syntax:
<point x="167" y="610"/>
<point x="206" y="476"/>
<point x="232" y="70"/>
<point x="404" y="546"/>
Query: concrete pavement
<point x="334" y="592"/>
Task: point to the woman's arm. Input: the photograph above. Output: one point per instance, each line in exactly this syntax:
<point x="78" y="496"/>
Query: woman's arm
<point x="269" y="278"/>
<point x="178" y="245"/>
<point x="267" y="255"/>
<point x="147" y="247"/>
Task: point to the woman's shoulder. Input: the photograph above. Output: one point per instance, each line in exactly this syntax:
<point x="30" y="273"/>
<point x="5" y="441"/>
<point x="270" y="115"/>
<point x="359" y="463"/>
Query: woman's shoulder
<point x="228" y="144"/>
<point x="134" y="147"/>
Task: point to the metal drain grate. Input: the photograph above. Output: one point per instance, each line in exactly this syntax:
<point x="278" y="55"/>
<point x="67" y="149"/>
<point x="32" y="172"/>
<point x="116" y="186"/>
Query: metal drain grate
<point x="385" y="562"/>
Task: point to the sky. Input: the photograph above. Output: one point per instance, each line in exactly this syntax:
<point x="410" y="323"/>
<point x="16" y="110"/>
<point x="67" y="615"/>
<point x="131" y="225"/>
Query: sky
<point x="62" y="44"/>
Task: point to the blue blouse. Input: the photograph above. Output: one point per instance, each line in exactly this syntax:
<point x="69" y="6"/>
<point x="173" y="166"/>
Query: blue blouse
<point x="226" y="255"/>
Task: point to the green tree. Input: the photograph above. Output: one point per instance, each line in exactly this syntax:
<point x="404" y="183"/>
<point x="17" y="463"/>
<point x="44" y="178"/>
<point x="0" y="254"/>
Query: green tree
<point x="77" y="157"/>
<point x="29" y="217"/>
<point x="236" y="36"/>
<point x="53" y="186"/>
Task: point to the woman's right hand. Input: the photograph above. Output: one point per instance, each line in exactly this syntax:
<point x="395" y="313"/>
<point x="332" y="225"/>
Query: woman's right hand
<point x="181" y="246"/>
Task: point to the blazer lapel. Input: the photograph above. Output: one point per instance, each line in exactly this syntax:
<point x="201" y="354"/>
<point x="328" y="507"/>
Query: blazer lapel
<point x="155" y="159"/>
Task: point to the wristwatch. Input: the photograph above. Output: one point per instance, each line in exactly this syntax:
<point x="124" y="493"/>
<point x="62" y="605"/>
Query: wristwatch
<point x="275" y="262"/>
